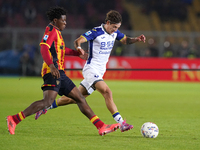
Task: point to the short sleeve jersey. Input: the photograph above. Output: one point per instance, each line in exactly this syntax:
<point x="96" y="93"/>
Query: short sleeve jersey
<point x="100" y="44"/>
<point x="53" y="39"/>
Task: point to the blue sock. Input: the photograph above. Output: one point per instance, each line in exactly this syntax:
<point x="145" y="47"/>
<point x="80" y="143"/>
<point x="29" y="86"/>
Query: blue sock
<point x="54" y="105"/>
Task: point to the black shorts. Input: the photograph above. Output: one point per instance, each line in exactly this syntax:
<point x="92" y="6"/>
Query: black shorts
<point x="63" y="85"/>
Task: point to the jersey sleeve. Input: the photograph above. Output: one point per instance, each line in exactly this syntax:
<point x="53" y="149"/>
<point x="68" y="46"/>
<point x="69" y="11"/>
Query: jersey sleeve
<point x="69" y="51"/>
<point x="120" y="35"/>
<point x="92" y="34"/>
<point x="49" y="37"/>
<point x="44" y="50"/>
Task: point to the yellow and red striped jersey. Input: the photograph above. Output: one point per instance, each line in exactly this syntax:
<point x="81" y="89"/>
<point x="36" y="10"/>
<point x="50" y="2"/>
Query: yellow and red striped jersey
<point x="54" y="40"/>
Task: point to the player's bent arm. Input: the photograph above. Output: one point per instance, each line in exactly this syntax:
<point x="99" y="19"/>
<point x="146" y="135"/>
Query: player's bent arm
<point x="79" y="41"/>
<point x="77" y="44"/>
<point x="44" y="49"/>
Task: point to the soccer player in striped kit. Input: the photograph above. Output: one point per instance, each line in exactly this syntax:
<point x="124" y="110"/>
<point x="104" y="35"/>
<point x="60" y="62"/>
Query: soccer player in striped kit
<point x="56" y="82"/>
<point x="100" y="43"/>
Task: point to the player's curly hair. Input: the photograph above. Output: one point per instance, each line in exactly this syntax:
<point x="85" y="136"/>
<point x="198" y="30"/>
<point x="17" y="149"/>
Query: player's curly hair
<point x="114" y="17"/>
<point x="55" y="12"/>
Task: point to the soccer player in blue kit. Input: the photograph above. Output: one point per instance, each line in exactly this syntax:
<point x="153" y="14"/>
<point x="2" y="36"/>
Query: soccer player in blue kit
<point x="100" y="44"/>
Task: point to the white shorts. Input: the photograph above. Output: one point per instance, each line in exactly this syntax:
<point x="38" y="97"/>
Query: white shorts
<point x="91" y="77"/>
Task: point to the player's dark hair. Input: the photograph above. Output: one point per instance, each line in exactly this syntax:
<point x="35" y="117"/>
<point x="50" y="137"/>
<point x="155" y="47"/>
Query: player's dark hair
<point x="114" y="17"/>
<point x="55" y="12"/>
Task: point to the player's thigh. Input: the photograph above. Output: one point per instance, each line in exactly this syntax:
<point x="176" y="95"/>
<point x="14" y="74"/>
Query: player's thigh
<point x="83" y="90"/>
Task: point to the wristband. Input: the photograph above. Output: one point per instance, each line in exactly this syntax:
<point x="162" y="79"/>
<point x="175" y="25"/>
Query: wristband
<point x="79" y="47"/>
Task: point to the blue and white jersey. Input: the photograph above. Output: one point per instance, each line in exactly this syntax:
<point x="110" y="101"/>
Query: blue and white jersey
<point x="100" y="45"/>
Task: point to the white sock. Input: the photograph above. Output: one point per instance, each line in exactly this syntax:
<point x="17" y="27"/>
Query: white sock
<point x="51" y="107"/>
<point x="118" y="118"/>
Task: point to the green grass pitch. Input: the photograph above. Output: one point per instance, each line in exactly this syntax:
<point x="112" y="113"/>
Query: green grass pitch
<point x="173" y="106"/>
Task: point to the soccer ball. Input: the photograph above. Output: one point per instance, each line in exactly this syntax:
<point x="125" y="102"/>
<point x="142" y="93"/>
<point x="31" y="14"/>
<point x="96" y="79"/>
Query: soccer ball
<point x="149" y="130"/>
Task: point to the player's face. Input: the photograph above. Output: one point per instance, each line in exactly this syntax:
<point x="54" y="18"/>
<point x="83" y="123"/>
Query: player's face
<point x="61" y="23"/>
<point x="111" y="28"/>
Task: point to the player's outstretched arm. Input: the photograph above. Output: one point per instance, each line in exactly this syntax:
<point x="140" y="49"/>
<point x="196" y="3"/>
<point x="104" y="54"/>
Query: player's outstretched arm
<point x="130" y="40"/>
<point x="72" y="52"/>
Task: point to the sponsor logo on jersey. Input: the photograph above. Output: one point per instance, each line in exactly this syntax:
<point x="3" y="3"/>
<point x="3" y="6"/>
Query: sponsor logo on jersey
<point x="104" y="52"/>
<point x="88" y="33"/>
<point x="45" y="37"/>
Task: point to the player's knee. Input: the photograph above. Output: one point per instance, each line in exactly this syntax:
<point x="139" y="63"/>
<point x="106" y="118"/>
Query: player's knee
<point x="107" y="93"/>
<point x="78" y="98"/>
<point x="81" y="97"/>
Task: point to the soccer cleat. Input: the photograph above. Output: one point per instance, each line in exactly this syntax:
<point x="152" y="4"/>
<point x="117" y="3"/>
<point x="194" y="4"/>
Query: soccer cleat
<point x="125" y="126"/>
<point x="10" y="124"/>
<point x="39" y="113"/>
<point x="105" y="129"/>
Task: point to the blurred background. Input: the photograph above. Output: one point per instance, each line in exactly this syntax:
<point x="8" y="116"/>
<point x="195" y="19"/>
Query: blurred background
<point x="171" y="27"/>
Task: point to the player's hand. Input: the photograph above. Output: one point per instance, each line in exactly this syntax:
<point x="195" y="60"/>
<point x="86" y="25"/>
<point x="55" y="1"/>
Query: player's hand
<point x="84" y="56"/>
<point x="141" y="38"/>
<point x="54" y="71"/>
<point x="81" y="51"/>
